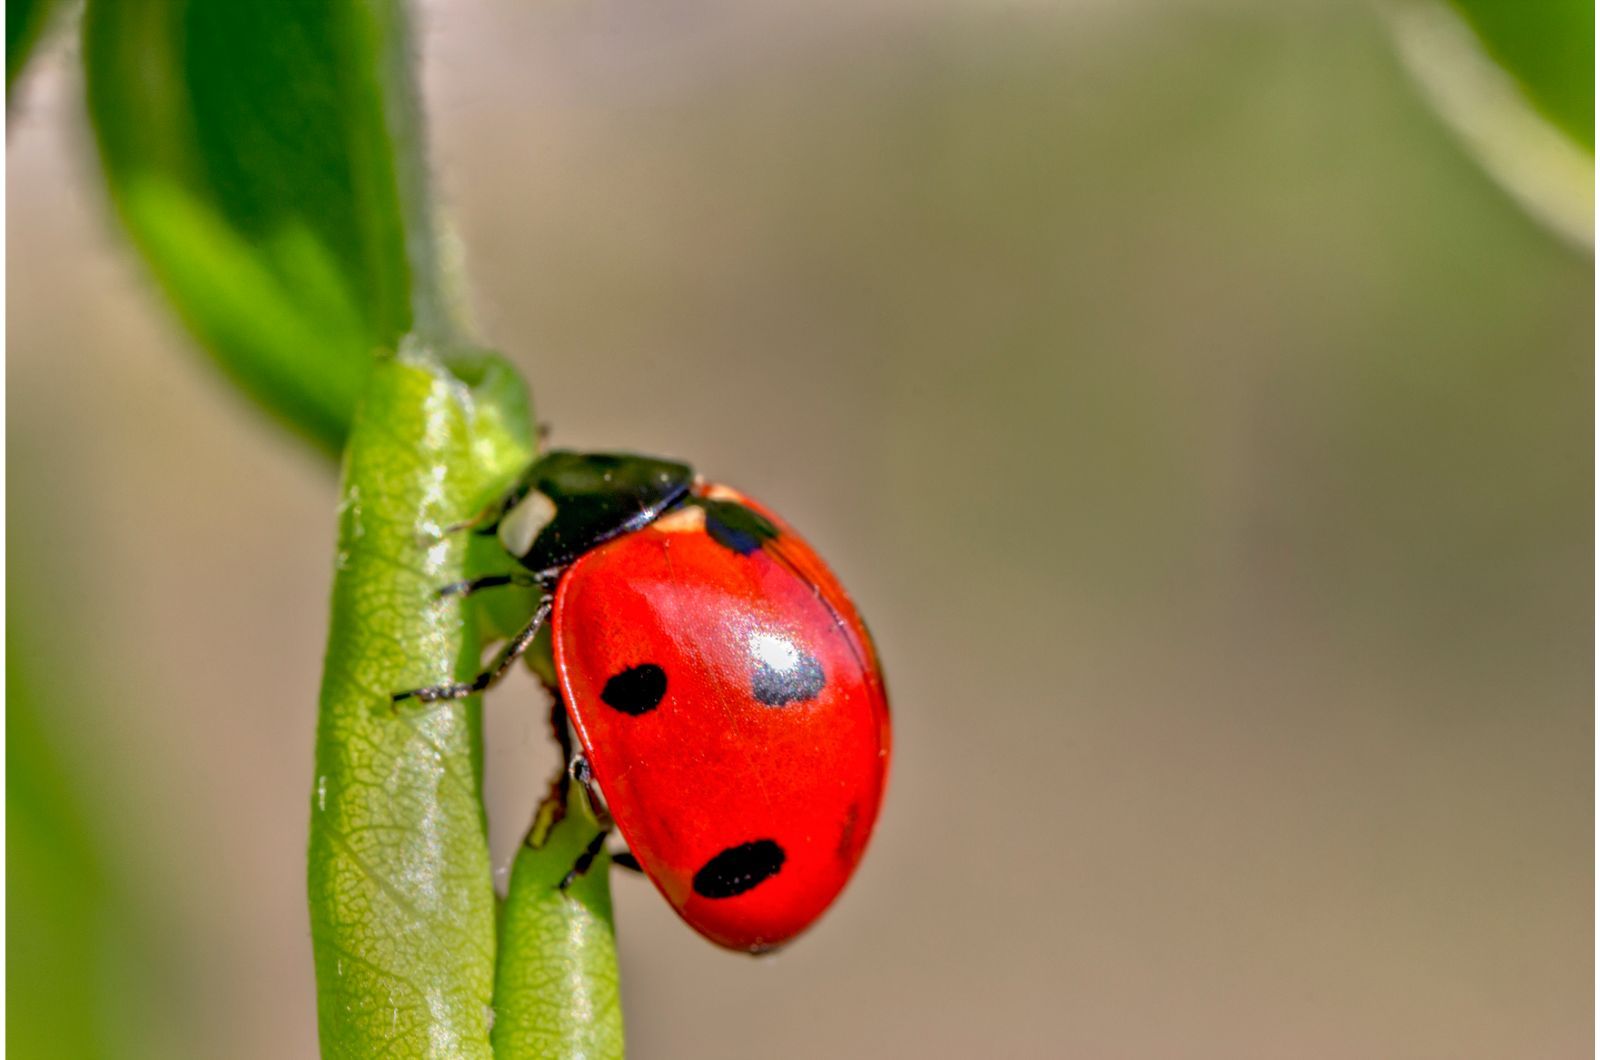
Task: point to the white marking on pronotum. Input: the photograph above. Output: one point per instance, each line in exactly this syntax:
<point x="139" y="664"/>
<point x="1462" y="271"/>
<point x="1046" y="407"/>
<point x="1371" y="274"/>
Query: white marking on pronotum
<point x="522" y="524"/>
<point x="690" y="519"/>
<point x="718" y="492"/>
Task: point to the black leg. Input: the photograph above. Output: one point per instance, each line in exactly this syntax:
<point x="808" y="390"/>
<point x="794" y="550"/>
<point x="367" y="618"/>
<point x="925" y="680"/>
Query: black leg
<point x="578" y="769"/>
<point x="488" y="581"/>
<point x="506" y="659"/>
<point x="486" y="521"/>
<point x="624" y="859"/>
<point x="585" y="859"/>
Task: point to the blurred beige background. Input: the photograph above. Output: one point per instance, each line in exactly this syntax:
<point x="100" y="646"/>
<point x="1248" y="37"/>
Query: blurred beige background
<point x="1206" y="439"/>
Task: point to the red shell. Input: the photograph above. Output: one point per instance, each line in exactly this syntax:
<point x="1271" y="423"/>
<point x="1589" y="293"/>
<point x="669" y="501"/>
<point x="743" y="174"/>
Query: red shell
<point x="712" y="769"/>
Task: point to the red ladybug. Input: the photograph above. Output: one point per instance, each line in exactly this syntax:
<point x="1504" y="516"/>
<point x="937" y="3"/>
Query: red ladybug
<point x="723" y="686"/>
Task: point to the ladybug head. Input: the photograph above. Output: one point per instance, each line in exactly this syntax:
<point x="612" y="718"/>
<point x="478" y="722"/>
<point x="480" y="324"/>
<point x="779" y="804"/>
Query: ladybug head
<point x="566" y="503"/>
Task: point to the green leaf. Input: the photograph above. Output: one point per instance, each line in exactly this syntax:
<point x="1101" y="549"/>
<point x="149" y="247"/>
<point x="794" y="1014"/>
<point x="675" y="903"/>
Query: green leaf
<point x="85" y="972"/>
<point x="54" y="872"/>
<point x="402" y="906"/>
<point x="1515" y="86"/>
<point x="1548" y="47"/>
<point x="248" y="149"/>
<point x="556" y="993"/>
<point x="25" y="24"/>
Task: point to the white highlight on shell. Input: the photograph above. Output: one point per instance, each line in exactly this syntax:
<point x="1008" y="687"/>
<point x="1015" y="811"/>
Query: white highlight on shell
<point x="776" y="653"/>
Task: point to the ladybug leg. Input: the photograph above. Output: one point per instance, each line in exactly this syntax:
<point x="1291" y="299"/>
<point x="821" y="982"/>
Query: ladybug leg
<point x="485" y="522"/>
<point x="624" y="859"/>
<point x="503" y="662"/>
<point x="585" y="860"/>
<point x="488" y="581"/>
<point x="578" y="769"/>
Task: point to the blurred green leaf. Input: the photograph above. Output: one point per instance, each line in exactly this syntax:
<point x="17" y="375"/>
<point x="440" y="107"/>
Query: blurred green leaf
<point x="402" y="907"/>
<point x="82" y="976"/>
<point x="555" y="993"/>
<point x="249" y="152"/>
<point x="25" y="23"/>
<point x="56" y="883"/>
<point x="1515" y="86"/>
<point x="1548" y="46"/>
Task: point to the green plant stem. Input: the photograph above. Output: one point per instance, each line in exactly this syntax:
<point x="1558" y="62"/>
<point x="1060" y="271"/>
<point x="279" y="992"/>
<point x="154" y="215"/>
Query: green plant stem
<point x="270" y="162"/>
<point x="555" y="991"/>
<point x="438" y="317"/>
<point x="555" y="985"/>
<point x="402" y="905"/>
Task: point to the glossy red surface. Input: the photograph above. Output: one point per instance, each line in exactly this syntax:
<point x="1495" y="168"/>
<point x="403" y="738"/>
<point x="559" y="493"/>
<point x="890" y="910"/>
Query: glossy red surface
<point x="712" y="767"/>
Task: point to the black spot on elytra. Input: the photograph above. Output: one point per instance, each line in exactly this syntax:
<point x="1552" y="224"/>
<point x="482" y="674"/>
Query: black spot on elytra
<point x="738" y="869"/>
<point x="636" y="690"/>
<point x="733" y="526"/>
<point x="800" y="681"/>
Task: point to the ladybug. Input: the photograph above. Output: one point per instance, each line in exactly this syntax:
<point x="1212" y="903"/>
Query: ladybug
<point x="725" y="690"/>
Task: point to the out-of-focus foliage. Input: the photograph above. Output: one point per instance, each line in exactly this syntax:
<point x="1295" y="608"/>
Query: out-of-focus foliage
<point x="247" y="151"/>
<point x="1548" y="46"/>
<point x="25" y="23"/>
<point x="81" y="978"/>
<point x="1514" y="82"/>
<point x="54" y="875"/>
